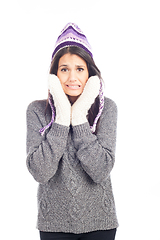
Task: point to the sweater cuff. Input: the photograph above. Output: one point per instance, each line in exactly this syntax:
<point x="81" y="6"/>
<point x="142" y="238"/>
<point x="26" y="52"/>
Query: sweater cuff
<point x="82" y="130"/>
<point x="58" y="130"/>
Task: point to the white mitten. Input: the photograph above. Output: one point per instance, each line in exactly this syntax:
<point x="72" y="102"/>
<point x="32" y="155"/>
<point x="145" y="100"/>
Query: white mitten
<point x="80" y="108"/>
<point x="61" y="102"/>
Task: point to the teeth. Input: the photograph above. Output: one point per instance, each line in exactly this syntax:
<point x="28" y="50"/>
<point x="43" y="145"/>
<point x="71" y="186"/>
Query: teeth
<point x="76" y="86"/>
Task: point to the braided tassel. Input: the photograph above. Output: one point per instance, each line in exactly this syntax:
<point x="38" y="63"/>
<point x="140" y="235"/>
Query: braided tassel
<point x="101" y="106"/>
<point x="42" y="130"/>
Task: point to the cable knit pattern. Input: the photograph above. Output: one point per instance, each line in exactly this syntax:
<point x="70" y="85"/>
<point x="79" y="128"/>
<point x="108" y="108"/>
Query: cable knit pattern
<point x="73" y="167"/>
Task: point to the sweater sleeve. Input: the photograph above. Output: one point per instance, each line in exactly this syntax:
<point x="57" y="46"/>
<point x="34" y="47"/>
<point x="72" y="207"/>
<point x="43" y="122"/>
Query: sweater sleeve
<point x="97" y="152"/>
<point x="43" y="152"/>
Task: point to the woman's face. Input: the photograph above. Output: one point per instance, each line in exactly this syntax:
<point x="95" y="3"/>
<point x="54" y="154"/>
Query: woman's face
<point x="73" y="75"/>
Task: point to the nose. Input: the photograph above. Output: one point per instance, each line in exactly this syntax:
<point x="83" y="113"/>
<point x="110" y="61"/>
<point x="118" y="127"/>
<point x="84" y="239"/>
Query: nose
<point x="73" y="76"/>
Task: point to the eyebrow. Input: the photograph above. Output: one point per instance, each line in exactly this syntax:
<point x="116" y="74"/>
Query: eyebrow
<point x="65" y="65"/>
<point x="80" y="66"/>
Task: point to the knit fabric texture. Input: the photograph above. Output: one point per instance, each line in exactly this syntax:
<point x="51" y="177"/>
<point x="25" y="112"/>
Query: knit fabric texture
<point x="72" y="35"/>
<point x="73" y="168"/>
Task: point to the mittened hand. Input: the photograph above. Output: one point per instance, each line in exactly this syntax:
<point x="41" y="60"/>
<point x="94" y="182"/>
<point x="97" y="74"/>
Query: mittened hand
<point x="80" y="108"/>
<point x="61" y="102"/>
<point x="76" y="115"/>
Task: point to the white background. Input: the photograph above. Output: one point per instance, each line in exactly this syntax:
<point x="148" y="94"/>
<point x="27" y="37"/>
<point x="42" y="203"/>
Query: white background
<point x="125" y="38"/>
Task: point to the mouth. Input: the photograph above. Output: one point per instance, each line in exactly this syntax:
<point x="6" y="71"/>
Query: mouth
<point x="75" y="87"/>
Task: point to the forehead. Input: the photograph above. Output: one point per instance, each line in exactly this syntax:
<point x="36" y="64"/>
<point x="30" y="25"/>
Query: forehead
<point x="72" y="60"/>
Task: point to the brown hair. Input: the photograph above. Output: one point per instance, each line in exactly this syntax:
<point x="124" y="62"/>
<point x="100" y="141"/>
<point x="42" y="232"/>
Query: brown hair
<point x="92" y="69"/>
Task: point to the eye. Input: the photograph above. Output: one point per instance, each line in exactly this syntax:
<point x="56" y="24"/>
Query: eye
<point x="80" y="69"/>
<point x="64" y="70"/>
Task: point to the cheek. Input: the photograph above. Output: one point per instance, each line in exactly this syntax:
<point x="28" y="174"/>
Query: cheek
<point x="61" y="77"/>
<point x="59" y="74"/>
<point x="84" y="84"/>
<point x="85" y="78"/>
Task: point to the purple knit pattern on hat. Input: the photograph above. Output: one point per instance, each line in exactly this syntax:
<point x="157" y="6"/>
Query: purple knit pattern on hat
<point x="70" y="43"/>
<point x="70" y="32"/>
<point x="72" y="35"/>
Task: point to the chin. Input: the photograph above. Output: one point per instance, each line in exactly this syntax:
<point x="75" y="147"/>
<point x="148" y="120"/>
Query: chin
<point x="76" y="94"/>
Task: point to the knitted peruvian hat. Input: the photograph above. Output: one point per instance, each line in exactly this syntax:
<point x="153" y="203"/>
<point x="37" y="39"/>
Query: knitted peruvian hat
<point x="72" y="35"/>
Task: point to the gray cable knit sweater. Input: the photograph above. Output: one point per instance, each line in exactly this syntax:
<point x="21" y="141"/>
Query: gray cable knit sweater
<point x="73" y="167"/>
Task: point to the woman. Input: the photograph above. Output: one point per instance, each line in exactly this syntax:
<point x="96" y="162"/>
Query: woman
<point x="73" y="155"/>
